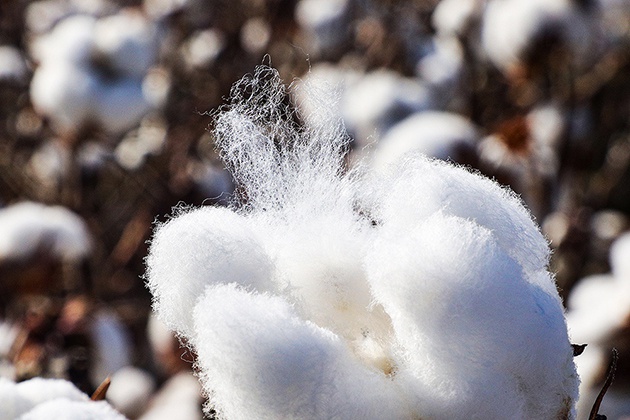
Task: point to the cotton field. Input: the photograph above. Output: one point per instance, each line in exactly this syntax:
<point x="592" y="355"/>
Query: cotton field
<point x="298" y="209"/>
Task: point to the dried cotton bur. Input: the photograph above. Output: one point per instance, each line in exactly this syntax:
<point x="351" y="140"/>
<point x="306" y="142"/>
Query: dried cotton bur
<point x="320" y="293"/>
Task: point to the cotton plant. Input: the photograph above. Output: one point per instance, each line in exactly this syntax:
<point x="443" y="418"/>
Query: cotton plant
<point x="420" y="292"/>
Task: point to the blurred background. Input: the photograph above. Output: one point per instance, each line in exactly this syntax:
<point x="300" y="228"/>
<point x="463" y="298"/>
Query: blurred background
<point x="105" y="125"/>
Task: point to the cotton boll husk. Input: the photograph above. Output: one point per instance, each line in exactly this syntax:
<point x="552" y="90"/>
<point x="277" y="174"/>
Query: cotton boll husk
<point x="440" y="135"/>
<point x="205" y="246"/>
<point x="64" y="409"/>
<point x="260" y="360"/>
<point x="418" y="187"/>
<point x="477" y="340"/>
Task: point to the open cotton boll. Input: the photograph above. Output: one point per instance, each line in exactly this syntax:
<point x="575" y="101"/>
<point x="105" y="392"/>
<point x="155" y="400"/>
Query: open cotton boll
<point x="130" y="390"/>
<point x="620" y="259"/>
<point x="198" y="248"/>
<point x="39" y="390"/>
<point x="65" y="93"/>
<point x="418" y="187"/>
<point x="64" y="409"/>
<point x="28" y="227"/>
<point x="121" y="104"/>
<point x="260" y="360"/>
<point x="477" y="339"/>
<point x="455" y="17"/>
<point x="440" y="135"/>
<point x="70" y="41"/>
<point x="12" y="404"/>
<point x="129" y="42"/>
<point x="513" y="29"/>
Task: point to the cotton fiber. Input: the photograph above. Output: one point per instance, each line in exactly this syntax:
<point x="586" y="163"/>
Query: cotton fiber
<point x="421" y="291"/>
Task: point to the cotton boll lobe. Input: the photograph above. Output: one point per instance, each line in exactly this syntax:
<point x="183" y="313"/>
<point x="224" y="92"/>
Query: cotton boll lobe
<point x="130" y="390"/>
<point x="206" y="246"/>
<point x="70" y="410"/>
<point x="260" y="360"/>
<point x="70" y="41"/>
<point x="477" y="339"/>
<point x="440" y="135"/>
<point x="458" y="192"/>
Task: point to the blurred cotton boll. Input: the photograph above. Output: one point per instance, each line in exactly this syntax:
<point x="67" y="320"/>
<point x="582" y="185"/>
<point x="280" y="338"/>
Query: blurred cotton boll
<point x="92" y="70"/>
<point x="39" y="399"/>
<point x="28" y="228"/>
<point x="130" y="390"/>
<point x="419" y="292"/>
<point x="435" y="134"/>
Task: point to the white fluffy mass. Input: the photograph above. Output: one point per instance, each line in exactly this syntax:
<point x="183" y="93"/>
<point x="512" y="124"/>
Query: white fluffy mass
<point x="421" y="292"/>
<point x="28" y="227"/>
<point x="42" y="399"/>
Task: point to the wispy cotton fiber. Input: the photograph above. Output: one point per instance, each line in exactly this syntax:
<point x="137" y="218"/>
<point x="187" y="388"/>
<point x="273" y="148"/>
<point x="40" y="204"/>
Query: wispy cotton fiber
<point x="325" y="293"/>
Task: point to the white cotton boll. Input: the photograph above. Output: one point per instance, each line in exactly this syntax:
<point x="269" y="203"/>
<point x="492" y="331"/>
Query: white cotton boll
<point x="64" y="409"/>
<point x="512" y="27"/>
<point x="477" y="339"/>
<point x="28" y="227"/>
<point x="326" y="21"/>
<point x="442" y="69"/>
<point x="112" y="345"/>
<point x="620" y="259"/>
<point x="12" y="404"/>
<point x="128" y="41"/>
<point x="121" y="104"/>
<point x="378" y="100"/>
<point x="179" y="398"/>
<point x="12" y="65"/>
<point x="65" y="93"/>
<point x="440" y="135"/>
<point x="261" y="361"/>
<point x="39" y="390"/>
<point x="130" y="390"/>
<point x="205" y="246"/>
<point x="454" y="17"/>
<point x="419" y="187"/>
<point x="70" y="41"/>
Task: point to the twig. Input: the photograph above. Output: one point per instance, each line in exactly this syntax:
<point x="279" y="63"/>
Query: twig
<point x="610" y="377"/>
<point x="99" y="394"/>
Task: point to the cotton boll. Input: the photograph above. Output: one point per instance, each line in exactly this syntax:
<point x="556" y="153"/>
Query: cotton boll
<point x="13" y="67"/>
<point x="477" y="339"/>
<point x="121" y="104"/>
<point x="440" y="135"/>
<point x="260" y="360"/>
<point x="65" y="93"/>
<point x="12" y="404"/>
<point x="64" y="409"/>
<point x="71" y="41"/>
<point x="325" y="21"/>
<point x="39" y="390"/>
<point x="455" y="17"/>
<point x="180" y="397"/>
<point x="620" y="259"/>
<point x="29" y="227"/>
<point x="512" y="29"/>
<point x="128" y="41"/>
<point x="377" y="101"/>
<point x="205" y="246"/>
<point x="130" y="391"/>
<point x="112" y="345"/>
<point x="442" y="69"/>
<point x="419" y="187"/>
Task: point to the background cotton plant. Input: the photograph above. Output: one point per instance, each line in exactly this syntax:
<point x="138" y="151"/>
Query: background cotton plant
<point x="422" y="292"/>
